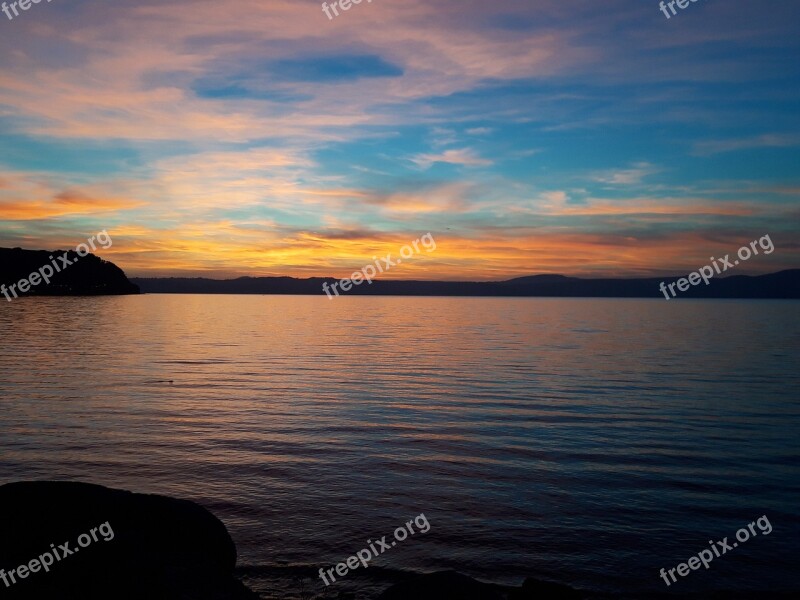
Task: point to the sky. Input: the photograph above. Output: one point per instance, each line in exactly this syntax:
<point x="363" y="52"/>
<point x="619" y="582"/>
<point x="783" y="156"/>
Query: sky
<point x="260" y="137"/>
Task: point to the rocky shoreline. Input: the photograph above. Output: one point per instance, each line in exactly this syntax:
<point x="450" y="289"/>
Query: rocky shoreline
<point x="78" y="541"/>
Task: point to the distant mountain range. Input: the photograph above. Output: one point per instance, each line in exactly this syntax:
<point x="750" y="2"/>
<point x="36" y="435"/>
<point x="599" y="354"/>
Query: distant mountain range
<point x="59" y="273"/>
<point x="90" y="275"/>
<point x="784" y="284"/>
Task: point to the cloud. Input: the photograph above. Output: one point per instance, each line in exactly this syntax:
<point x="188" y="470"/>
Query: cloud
<point x="449" y="198"/>
<point x="443" y="136"/>
<point x="35" y="196"/>
<point x="768" y="140"/>
<point x="630" y="176"/>
<point x="480" y="131"/>
<point x="464" y="156"/>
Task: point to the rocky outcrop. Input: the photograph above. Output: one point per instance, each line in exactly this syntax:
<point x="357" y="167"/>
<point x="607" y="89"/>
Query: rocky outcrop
<point x="111" y="544"/>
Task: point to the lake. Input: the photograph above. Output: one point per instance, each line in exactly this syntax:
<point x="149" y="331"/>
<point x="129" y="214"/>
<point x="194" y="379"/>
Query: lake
<point x="586" y="441"/>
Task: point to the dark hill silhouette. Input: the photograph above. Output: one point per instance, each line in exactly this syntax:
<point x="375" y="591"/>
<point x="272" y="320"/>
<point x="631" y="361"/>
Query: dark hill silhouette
<point x="87" y="275"/>
<point x="540" y="279"/>
<point x="784" y="284"/>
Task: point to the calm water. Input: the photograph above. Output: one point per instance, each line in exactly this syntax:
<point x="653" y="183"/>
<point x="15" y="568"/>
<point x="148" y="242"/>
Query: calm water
<point x="586" y="441"/>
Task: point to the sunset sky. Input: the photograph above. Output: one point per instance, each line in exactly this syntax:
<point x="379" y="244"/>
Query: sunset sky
<point x="258" y="137"/>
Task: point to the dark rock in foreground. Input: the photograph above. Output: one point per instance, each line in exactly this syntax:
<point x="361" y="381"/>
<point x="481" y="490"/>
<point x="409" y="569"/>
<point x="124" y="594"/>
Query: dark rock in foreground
<point x="544" y="590"/>
<point x="444" y="585"/>
<point x="124" y="546"/>
<point x="449" y="585"/>
<point x="73" y="276"/>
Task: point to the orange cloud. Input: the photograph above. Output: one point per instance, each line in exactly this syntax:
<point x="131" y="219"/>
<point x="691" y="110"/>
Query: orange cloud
<point x="28" y="197"/>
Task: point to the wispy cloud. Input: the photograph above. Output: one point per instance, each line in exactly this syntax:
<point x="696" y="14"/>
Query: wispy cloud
<point x="243" y="136"/>
<point x="767" y="140"/>
<point x="465" y="156"/>
<point x="633" y="175"/>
